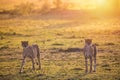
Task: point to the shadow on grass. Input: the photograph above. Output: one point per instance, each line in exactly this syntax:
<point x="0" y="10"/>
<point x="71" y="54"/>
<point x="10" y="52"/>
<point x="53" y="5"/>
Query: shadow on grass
<point x="77" y="69"/>
<point x="33" y="75"/>
<point x="26" y="75"/>
<point x="71" y="50"/>
<point x="58" y="50"/>
<point x="6" y="77"/>
<point x="8" y="59"/>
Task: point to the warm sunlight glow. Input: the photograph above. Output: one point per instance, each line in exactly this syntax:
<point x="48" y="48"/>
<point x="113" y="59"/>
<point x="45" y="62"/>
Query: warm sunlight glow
<point x="90" y="4"/>
<point x="101" y="2"/>
<point x="93" y="5"/>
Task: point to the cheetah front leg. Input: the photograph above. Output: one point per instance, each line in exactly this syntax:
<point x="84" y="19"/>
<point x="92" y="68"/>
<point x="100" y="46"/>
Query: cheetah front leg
<point x="86" y="65"/>
<point x="90" y="64"/>
<point x="94" y="65"/>
<point x="33" y="63"/>
<point x="39" y="63"/>
<point x="23" y="62"/>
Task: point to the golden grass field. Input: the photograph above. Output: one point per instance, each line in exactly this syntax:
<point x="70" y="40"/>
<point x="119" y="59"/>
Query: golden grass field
<point x="60" y="41"/>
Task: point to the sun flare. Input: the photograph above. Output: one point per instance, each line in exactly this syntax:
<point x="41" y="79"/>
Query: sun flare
<point x="101" y="2"/>
<point x="90" y="4"/>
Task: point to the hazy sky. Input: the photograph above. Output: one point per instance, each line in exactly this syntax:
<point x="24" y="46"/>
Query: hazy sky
<point x="78" y="4"/>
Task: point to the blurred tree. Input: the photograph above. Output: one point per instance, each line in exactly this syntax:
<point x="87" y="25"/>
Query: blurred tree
<point x="58" y="4"/>
<point x="23" y="9"/>
<point x="45" y="7"/>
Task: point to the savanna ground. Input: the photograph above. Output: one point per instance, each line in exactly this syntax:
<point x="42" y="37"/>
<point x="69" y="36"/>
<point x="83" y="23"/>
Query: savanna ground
<point x="61" y="41"/>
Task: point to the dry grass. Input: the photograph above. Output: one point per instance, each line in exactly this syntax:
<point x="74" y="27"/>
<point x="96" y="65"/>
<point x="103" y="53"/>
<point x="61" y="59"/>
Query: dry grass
<point x="61" y="43"/>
